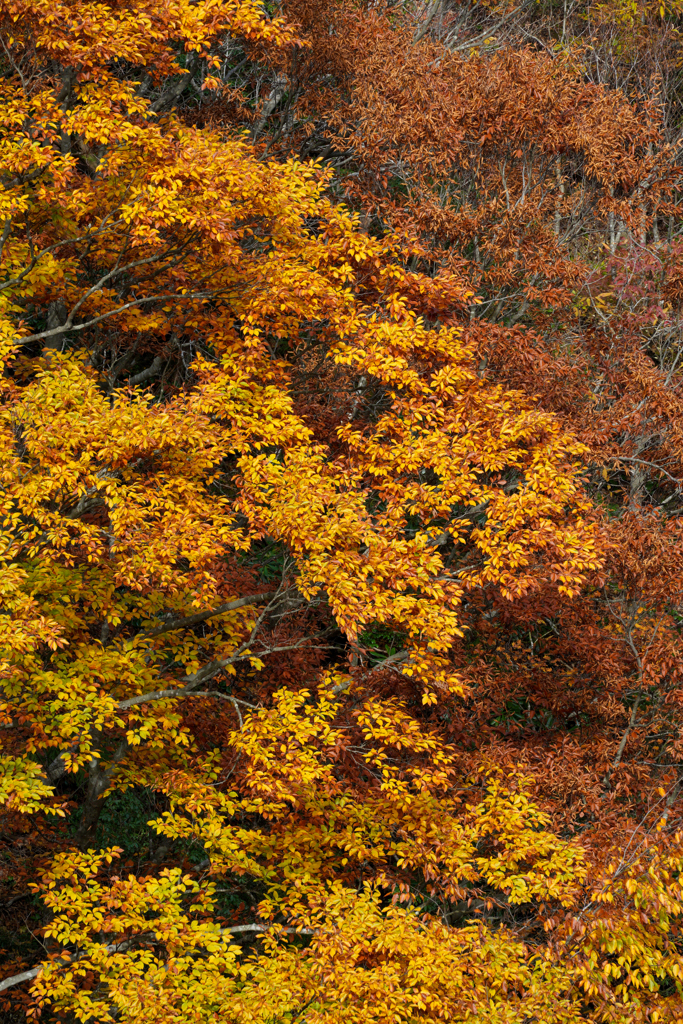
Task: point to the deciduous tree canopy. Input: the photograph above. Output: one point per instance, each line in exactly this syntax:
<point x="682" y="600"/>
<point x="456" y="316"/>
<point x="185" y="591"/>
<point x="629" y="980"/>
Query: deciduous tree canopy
<point x="341" y="550"/>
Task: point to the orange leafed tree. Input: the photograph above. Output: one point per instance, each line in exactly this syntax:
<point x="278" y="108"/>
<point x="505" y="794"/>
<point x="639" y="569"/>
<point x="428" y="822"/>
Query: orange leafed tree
<point x="324" y="658"/>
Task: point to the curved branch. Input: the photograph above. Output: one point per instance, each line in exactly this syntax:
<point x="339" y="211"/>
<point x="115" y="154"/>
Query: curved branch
<point x="644" y="462"/>
<point x="70" y="327"/>
<point x="194" y="620"/>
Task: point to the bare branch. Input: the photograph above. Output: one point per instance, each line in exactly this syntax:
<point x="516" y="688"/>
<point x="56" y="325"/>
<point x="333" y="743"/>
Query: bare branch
<point x="195" y="620"/>
<point x="17" y="979"/>
<point x="652" y="465"/>
<point x="113" y="312"/>
<point x="237" y="928"/>
<point x="421" y="31"/>
<point x="487" y="33"/>
<point x="35" y="257"/>
<point x="393" y="659"/>
<point x="144" y="375"/>
<point x="5" y="235"/>
<point x="211" y="669"/>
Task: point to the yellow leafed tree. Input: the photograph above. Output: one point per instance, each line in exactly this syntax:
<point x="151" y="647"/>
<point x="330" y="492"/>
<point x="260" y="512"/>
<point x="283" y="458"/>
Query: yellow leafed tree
<point x="177" y="523"/>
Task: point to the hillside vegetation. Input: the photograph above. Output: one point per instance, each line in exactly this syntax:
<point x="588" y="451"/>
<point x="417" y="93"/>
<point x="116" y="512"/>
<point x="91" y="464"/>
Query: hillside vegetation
<point x="341" y="512"/>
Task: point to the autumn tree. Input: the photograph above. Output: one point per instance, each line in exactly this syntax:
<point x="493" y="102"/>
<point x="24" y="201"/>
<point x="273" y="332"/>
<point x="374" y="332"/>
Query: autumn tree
<point x="557" y="200"/>
<point x="318" y="534"/>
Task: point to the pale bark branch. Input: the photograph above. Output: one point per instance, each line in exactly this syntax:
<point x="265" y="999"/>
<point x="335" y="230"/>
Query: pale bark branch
<point x="71" y="327"/>
<point x="652" y="465"/>
<point x="195" y="620"/>
<point x="16" y="979"/>
<point x="431" y="14"/>
<point x="144" y="375"/>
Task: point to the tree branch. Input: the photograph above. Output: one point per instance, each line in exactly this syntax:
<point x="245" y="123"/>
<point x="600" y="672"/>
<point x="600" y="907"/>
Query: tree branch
<point x="16" y="979"/>
<point x="421" y="31"/>
<point x="144" y="375"/>
<point x="70" y="327"/>
<point x="195" y="620"/>
<point x="644" y="462"/>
